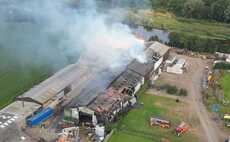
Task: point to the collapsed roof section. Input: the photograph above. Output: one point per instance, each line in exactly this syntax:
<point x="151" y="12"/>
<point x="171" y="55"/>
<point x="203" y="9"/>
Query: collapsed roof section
<point x="127" y="82"/>
<point x="123" y="88"/>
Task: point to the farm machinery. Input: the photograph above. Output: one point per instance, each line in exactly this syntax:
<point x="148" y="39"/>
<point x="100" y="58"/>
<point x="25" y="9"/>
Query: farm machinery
<point x="159" y="122"/>
<point x="182" y="128"/>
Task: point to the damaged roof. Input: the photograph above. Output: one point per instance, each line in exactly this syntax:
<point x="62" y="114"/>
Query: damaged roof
<point x="127" y="79"/>
<point x="93" y="89"/>
<point x="107" y="102"/>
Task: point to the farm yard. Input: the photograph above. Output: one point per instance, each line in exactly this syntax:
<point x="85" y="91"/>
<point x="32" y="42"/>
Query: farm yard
<point x="148" y="72"/>
<point x="158" y="103"/>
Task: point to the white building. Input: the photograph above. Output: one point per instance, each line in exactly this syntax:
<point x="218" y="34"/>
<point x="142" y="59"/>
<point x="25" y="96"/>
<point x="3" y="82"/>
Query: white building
<point x="177" y="66"/>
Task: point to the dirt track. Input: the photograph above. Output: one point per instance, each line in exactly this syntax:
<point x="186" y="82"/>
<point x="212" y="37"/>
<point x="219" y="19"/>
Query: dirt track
<point x="191" y="80"/>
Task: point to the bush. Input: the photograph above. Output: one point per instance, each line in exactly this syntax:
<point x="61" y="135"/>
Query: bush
<point x="183" y="92"/>
<point x="171" y="89"/>
<point x="223" y="66"/>
<point x="154" y="38"/>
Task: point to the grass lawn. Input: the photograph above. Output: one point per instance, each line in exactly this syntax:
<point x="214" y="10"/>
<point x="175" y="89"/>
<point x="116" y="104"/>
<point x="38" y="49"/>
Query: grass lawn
<point x="122" y="137"/>
<point x="169" y="22"/>
<point x="135" y="125"/>
<point x="225" y="83"/>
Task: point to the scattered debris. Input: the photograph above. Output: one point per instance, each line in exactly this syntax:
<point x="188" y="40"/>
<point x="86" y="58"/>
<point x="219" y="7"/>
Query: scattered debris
<point x="71" y="133"/>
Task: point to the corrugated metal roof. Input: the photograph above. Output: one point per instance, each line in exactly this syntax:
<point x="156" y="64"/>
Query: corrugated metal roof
<point x="159" y="48"/>
<point x="141" y="68"/>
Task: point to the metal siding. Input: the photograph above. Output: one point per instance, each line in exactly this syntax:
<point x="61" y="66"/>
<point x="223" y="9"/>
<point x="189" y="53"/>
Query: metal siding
<point x="40" y="117"/>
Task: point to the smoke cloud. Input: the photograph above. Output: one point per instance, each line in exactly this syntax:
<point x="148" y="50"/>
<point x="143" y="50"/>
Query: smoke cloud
<point x="54" y="33"/>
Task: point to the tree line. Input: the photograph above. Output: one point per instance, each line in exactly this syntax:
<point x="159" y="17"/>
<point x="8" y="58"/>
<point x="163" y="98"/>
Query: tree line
<point x="197" y="44"/>
<point x="222" y="66"/>
<point x="218" y="10"/>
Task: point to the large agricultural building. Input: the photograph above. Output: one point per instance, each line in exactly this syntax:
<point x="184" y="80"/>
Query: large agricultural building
<point x="104" y="106"/>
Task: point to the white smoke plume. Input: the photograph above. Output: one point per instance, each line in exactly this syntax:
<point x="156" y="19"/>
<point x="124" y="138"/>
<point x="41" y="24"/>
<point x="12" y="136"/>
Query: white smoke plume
<point x="46" y="26"/>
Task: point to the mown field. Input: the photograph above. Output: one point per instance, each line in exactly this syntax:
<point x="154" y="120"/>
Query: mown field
<point x="28" y="55"/>
<point x="15" y="79"/>
<point x="134" y="127"/>
<point x="225" y="83"/>
<point x="169" y="22"/>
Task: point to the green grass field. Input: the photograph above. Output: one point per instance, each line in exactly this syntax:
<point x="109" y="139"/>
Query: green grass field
<point x="134" y="127"/>
<point x="225" y="83"/>
<point x="29" y="55"/>
<point x="15" y="79"/>
<point x="171" y="23"/>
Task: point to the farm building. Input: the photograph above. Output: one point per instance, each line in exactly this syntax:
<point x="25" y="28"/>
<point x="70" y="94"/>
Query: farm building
<point x="103" y="106"/>
<point x="156" y="54"/>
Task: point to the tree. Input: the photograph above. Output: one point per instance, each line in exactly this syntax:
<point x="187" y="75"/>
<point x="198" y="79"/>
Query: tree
<point x="152" y="3"/>
<point x="218" y="10"/>
<point x="176" y="6"/>
<point x="154" y="38"/>
<point x="174" y="39"/>
<point x="193" y="8"/>
<point x="227" y="13"/>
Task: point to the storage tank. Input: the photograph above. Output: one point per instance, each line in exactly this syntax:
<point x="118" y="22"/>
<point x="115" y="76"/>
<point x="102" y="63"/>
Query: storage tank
<point x="40" y="117"/>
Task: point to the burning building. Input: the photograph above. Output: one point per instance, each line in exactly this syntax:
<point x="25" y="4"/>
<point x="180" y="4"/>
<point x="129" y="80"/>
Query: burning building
<point x="156" y="54"/>
<point x="101" y="106"/>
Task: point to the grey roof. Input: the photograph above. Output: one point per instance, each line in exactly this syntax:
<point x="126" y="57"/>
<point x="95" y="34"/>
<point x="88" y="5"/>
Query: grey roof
<point x="152" y="53"/>
<point x="127" y="79"/>
<point x="141" y="68"/>
<point x="159" y="48"/>
<point x="85" y="98"/>
<point x="93" y="89"/>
